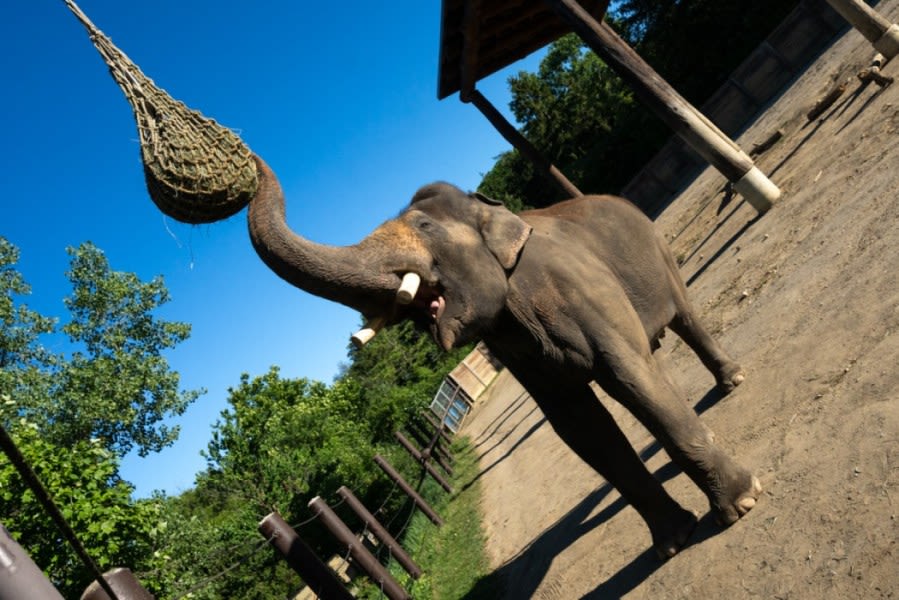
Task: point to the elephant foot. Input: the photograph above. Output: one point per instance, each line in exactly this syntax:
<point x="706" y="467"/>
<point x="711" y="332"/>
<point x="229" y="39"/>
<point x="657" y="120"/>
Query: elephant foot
<point x="669" y="538"/>
<point x="730" y="377"/>
<point x="741" y="501"/>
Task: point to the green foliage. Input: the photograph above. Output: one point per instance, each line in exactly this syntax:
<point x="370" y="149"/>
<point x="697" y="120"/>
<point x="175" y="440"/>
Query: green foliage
<point x="75" y="417"/>
<point x="283" y="441"/>
<point x="83" y="480"/>
<point x="24" y="363"/>
<point x="397" y="374"/>
<point x="578" y="114"/>
<point x="453" y="557"/>
<point x="120" y="387"/>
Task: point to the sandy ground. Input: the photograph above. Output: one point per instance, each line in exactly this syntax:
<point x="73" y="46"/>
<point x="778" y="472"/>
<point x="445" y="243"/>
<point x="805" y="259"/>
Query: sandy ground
<point x="806" y="297"/>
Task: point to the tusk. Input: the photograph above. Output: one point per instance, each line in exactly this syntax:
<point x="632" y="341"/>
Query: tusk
<point x="408" y="288"/>
<point x="364" y="335"/>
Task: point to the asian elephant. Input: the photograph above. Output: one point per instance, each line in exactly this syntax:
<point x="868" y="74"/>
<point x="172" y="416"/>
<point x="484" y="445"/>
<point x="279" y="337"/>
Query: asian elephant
<point x="563" y="296"/>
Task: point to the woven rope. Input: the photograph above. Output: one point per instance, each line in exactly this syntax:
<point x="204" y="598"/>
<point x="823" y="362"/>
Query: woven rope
<point x="197" y="171"/>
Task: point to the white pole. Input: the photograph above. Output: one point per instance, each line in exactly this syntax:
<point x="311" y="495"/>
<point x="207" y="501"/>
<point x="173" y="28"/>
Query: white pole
<point x="877" y="29"/>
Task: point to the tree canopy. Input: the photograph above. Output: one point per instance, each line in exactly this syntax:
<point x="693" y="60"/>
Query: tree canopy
<point x="75" y="415"/>
<point x="579" y="115"/>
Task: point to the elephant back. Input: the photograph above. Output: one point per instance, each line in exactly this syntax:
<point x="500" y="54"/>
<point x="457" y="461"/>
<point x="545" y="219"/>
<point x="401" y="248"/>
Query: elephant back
<point x="197" y="171"/>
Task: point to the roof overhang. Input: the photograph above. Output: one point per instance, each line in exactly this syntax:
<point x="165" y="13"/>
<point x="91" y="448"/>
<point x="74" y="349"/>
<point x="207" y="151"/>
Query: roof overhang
<point x="480" y="37"/>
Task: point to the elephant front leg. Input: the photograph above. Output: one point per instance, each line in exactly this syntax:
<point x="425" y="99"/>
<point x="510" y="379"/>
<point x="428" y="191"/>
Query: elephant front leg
<point x="728" y="374"/>
<point x="584" y="424"/>
<point x="636" y="380"/>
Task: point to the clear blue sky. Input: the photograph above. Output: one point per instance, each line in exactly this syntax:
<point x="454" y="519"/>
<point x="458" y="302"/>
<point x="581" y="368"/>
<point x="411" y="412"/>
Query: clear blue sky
<point x="339" y="98"/>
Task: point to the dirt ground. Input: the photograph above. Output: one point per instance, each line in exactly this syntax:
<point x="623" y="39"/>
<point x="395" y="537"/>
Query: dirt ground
<point x="806" y="297"/>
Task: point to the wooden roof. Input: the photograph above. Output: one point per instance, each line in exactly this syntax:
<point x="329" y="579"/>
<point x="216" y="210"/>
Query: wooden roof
<point x="505" y="30"/>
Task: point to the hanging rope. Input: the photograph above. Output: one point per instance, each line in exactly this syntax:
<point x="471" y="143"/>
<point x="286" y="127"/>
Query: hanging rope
<point x="197" y="171"/>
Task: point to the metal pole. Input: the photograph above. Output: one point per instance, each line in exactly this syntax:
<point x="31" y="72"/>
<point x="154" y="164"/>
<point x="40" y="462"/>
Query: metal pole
<point x="19" y="576"/>
<point x="123" y="582"/>
<point x="404" y="485"/>
<point x="422" y="461"/>
<point x="439" y="454"/>
<point x="396" y="551"/>
<point x="361" y="556"/>
<point x="687" y="122"/>
<point x="427" y="415"/>
<point x="302" y="559"/>
<point x="40" y="492"/>
<point x="878" y="30"/>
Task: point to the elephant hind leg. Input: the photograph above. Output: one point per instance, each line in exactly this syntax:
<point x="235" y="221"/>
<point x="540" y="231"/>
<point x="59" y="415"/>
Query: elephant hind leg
<point x="636" y="380"/>
<point x="584" y="424"/>
<point x="728" y="374"/>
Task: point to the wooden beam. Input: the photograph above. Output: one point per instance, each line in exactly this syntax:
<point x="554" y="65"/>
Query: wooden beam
<point x="882" y="34"/>
<point x="514" y="137"/>
<point x="653" y="91"/>
<point x="470" y="45"/>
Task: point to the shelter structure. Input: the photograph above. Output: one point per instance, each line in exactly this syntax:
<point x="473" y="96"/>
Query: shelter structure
<point x="480" y="37"/>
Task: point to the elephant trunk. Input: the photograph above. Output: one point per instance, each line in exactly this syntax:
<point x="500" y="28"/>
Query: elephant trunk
<point x="348" y="275"/>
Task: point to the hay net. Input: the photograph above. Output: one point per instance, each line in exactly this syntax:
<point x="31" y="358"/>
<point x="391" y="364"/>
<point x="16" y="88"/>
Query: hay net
<point x="197" y="171"/>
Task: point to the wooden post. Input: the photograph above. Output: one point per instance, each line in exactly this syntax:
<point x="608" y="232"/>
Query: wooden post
<point x="302" y="559"/>
<point x="407" y="489"/>
<point x="653" y="91"/>
<point x="514" y="137"/>
<point x="19" y="576"/>
<point x="125" y="584"/>
<point x="396" y="551"/>
<point x="413" y="451"/>
<point x="882" y="34"/>
<point x="361" y="556"/>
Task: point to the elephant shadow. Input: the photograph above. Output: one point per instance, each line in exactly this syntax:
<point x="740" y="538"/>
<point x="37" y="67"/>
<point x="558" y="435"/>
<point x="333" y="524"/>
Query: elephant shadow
<point x="522" y="575"/>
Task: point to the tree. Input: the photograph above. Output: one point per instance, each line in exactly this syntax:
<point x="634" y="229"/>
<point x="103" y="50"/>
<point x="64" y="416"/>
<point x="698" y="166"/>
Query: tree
<point x="24" y="363"/>
<point x="578" y="114"/>
<point x="74" y="417"/>
<point x="116" y="386"/>
<point x="84" y="483"/>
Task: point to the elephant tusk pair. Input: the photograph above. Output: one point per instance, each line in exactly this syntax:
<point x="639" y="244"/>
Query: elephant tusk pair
<point x="404" y="295"/>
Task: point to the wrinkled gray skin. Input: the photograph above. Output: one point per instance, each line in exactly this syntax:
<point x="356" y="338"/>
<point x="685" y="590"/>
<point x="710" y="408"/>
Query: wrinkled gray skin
<point x="563" y="296"/>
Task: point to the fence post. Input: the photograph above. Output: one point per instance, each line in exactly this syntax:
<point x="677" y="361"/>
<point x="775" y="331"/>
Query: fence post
<point x="19" y="576"/>
<point x="396" y="551"/>
<point x="123" y="582"/>
<point x="422" y="461"/>
<point x="438" y="426"/>
<point x="439" y="454"/>
<point x="404" y="485"/>
<point x="302" y="559"/>
<point x="361" y="556"/>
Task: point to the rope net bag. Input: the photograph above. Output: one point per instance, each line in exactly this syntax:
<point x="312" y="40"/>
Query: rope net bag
<point x="197" y="170"/>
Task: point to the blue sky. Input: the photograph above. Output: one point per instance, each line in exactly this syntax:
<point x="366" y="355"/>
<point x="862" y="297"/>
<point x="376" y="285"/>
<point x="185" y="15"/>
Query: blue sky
<point x="340" y="100"/>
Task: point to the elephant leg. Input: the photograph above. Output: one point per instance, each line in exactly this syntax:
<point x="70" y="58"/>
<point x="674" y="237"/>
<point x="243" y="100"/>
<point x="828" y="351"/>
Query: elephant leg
<point x="584" y="424"/>
<point x="728" y="374"/>
<point x="636" y="380"/>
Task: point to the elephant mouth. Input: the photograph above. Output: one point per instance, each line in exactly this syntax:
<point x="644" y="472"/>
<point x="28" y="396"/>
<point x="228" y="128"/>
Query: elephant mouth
<point x="428" y="308"/>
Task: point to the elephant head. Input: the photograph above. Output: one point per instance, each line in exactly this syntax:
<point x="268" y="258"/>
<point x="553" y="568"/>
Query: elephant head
<point x="461" y="246"/>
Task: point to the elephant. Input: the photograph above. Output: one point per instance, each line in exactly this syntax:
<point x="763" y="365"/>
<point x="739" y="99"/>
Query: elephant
<point x="564" y="296"/>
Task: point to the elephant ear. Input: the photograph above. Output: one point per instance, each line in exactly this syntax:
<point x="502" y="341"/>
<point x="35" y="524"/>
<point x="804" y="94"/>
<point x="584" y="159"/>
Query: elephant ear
<point x="504" y="232"/>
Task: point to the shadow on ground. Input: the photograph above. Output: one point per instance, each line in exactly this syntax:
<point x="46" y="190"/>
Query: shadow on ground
<point x="521" y="576"/>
